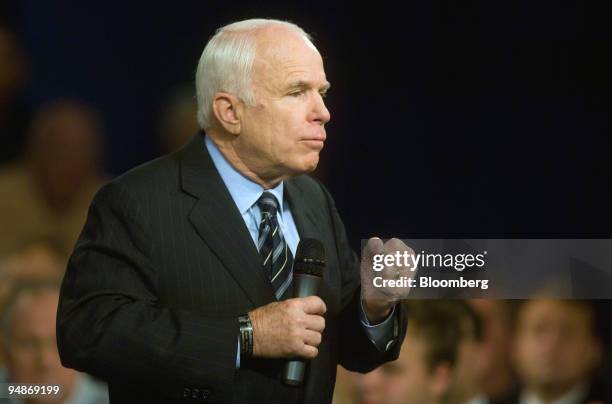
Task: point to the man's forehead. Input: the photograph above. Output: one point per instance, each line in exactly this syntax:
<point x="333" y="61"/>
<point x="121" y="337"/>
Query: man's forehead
<point x="278" y="44"/>
<point x="277" y="33"/>
<point x="289" y="62"/>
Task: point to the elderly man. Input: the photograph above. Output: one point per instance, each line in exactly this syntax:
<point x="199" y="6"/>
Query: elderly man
<point x="178" y="258"/>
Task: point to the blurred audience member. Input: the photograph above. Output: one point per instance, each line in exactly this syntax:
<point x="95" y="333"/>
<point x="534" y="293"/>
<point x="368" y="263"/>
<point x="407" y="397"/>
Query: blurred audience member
<point x="556" y="351"/>
<point x="48" y="196"/>
<point x="345" y="390"/>
<point x="30" y="348"/>
<point x="178" y="122"/>
<point x="14" y="115"/>
<point x="497" y="330"/>
<point x="36" y="260"/>
<point x="439" y="361"/>
<point x="40" y="259"/>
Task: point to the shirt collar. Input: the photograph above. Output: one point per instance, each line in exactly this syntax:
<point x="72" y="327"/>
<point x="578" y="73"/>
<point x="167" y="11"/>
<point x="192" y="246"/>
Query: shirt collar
<point x="575" y="395"/>
<point x="244" y="192"/>
<point x="479" y="399"/>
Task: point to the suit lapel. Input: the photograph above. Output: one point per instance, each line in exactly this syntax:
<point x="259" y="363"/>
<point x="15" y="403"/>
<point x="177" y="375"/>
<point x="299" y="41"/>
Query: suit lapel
<point x="303" y="214"/>
<point x="219" y="223"/>
<point x="310" y="222"/>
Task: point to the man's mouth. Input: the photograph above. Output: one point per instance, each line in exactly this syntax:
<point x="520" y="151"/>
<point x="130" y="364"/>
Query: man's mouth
<point x="315" y="142"/>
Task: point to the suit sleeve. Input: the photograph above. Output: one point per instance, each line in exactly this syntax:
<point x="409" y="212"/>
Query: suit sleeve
<point x="357" y="352"/>
<point x="110" y="322"/>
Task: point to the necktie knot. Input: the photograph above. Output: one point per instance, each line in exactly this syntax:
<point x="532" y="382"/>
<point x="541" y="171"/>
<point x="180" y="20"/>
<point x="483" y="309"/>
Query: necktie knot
<point x="268" y="204"/>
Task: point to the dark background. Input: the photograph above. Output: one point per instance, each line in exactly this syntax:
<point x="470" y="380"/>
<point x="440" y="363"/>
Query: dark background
<point x="449" y="118"/>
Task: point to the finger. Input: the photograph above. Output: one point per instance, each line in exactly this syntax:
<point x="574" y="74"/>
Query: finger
<point x="373" y="247"/>
<point x="396" y="244"/>
<point x="313" y="305"/>
<point x="315" y="323"/>
<point x="312" y="338"/>
<point x="308" y="352"/>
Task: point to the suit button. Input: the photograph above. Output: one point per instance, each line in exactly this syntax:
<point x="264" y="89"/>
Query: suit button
<point x="195" y="394"/>
<point x="186" y="392"/>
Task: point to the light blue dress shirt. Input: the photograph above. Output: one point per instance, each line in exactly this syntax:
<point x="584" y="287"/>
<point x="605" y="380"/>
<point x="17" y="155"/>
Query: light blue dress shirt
<point x="245" y="194"/>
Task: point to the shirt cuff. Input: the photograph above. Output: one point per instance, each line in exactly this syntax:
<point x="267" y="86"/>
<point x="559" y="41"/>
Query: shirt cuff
<point x="382" y="335"/>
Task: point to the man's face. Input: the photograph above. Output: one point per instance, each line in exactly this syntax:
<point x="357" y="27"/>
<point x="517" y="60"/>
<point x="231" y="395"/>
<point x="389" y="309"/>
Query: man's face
<point x="469" y="372"/>
<point x="282" y="135"/>
<point x="404" y="381"/>
<point x="31" y="352"/>
<point x="554" y="346"/>
<point x="65" y="155"/>
<point x="497" y="341"/>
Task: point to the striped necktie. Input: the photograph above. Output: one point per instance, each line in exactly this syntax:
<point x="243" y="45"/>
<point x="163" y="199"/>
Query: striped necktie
<point x="275" y="253"/>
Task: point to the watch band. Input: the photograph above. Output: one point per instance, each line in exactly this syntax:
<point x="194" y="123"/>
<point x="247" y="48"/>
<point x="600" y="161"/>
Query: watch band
<point x="246" y="335"/>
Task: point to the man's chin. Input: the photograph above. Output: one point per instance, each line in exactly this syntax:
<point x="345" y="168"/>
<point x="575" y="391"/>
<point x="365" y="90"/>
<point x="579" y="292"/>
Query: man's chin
<point x="306" y="166"/>
<point x="310" y="168"/>
<point x="313" y="166"/>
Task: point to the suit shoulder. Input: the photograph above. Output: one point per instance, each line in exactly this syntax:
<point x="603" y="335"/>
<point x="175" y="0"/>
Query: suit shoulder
<point x="145" y="178"/>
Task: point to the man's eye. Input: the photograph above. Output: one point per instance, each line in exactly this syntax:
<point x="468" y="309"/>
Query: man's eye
<point x="296" y="93"/>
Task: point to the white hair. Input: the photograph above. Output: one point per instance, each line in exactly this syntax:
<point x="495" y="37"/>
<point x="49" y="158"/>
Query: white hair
<point x="227" y="61"/>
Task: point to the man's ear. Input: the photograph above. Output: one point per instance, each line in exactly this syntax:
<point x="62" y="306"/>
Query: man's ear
<point x="226" y="108"/>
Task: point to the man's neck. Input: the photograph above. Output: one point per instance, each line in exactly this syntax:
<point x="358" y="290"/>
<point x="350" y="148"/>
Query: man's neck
<point x="227" y="149"/>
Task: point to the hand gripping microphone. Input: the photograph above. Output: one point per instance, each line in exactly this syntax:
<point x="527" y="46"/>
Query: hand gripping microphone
<point x="308" y="268"/>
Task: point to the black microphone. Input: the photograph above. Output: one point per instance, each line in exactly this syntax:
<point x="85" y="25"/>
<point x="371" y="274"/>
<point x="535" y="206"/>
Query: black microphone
<point x="308" y="268"/>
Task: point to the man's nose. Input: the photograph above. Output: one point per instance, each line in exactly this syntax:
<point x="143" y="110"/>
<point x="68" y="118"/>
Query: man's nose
<point x="320" y="113"/>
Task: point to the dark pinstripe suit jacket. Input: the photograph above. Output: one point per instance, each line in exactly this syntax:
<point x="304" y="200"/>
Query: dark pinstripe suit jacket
<point x="162" y="270"/>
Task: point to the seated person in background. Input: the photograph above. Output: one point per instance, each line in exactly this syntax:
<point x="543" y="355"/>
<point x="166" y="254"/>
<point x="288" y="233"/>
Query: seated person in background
<point x="439" y="361"/>
<point x="38" y="259"/>
<point x="30" y="349"/>
<point x="34" y="260"/>
<point x="48" y="194"/>
<point x="497" y="330"/>
<point x="178" y="121"/>
<point x="556" y="351"/>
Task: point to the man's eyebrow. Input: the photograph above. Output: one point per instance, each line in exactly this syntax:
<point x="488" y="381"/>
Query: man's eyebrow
<point x="301" y="84"/>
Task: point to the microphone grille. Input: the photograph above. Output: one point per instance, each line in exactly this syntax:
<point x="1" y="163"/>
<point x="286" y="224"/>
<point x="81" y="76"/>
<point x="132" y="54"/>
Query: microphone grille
<point x="309" y="257"/>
